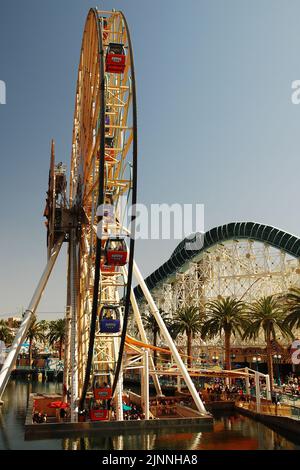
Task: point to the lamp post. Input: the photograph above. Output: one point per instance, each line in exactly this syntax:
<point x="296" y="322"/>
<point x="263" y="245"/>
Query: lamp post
<point x="215" y="358"/>
<point x="277" y="360"/>
<point x="232" y="357"/>
<point x="256" y="360"/>
<point x="203" y="361"/>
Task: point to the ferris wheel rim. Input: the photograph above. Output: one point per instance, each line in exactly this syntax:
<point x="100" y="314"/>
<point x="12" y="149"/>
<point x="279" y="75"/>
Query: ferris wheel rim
<point x="100" y="201"/>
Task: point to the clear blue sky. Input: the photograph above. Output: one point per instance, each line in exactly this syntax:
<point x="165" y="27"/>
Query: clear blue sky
<point x="216" y="122"/>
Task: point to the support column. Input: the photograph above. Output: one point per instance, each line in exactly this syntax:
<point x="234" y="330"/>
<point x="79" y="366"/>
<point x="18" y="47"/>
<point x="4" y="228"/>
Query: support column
<point x="67" y="355"/>
<point x="119" y="389"/>
<point x="268" y="385"/>
<point x="145" y="389"/>
<point x="178" y="383"/>
<point x="74" y="351"/>
<point x="247" y="381"/>
<point x="257" y="392"/>
<point x="144" y="338"/>
<point x="66" y="379"/>
<point x="20" y="337"/>
<point x="119" y="407"/>
<point x="169" y="341"/>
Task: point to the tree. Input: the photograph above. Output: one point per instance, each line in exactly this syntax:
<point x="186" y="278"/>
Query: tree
<point x="35" y="333"/>
<point x="151" y="325"/>
<point x="292" y="305"/>
<point x="57" y="334"/>
<point x="267" y="316"/>
<point x="225" y="316"/>
<point x="5" y="333"/>
<point x="188" y="321"/>
<point x="45" y="325"/>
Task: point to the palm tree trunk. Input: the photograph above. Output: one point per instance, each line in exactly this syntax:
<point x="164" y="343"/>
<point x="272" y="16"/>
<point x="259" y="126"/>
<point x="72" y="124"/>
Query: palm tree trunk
<point x="30" y="352"/>
<point x="189" y="349"/>
<point x="227" y="350"/>
<point x="269" y="360"/>
<point x="60" y="349"/>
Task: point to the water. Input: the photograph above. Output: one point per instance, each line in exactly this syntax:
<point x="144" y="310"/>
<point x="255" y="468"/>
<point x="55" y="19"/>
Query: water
<point x="232" y="432"/>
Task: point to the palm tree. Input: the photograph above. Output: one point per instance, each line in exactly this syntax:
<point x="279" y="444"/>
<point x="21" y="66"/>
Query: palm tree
<point x="267" y="316"/>
<point x="292" y="305"/>
<point x="57" y="333"/>
<point x="35" y="333"/>
<point x="45" y="325"/>
<point x="188" y="321"/>
<point x="5" y="333"/>
<point x="151" y="325"/>
<point x="225" y="315"/>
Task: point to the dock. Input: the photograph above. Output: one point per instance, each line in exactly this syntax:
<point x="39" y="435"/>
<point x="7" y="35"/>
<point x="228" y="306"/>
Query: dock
<point x="189" y="419"/>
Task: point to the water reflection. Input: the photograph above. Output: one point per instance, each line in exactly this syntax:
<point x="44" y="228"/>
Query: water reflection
<point x="234" y="431"/>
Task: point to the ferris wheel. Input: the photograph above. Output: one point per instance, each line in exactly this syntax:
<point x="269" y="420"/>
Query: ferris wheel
<point x="98" y="223"/>
<point x="103" y="184"/>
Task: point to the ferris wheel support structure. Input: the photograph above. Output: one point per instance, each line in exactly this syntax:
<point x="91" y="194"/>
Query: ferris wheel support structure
<point x="181" y="367"/>
<point x="20" y="337"/>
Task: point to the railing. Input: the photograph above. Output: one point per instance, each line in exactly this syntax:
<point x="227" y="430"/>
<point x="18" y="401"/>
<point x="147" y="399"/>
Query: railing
<point x="212" y="397"/>
<point x="38" y="369"/>
<point x="283" y="410"/>
<point x="163" y="410"/>
<point x="290" y="399"/>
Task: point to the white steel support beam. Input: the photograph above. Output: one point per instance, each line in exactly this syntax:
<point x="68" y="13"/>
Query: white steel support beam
<point x="170" y="343"/>
<point x="144" y="338"/>
<point x="67" y="354"/>
<point x="74" y="342"/>
<point x="20" y="337"/>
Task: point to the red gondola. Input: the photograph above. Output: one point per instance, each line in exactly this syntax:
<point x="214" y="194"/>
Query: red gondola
<point x="115" y="252"/>
<point x="106" y="269"/>
<point x="102" y="393"/>
<point x="115" y="58"/>
<point x="101" y="390"/>
<point x="98" y="415"/>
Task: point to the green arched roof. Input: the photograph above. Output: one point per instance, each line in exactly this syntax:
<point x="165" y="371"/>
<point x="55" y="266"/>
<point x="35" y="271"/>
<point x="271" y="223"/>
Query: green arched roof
<point x="235" y="230"/>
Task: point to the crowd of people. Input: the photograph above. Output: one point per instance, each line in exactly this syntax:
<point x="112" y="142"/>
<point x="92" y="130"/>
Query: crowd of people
<point x="39" y="417"/>
<point x="218" y="390"/>
<point x="132" y="411"/>
<point x="163" y="407"/>
<point x="291" y="385"/>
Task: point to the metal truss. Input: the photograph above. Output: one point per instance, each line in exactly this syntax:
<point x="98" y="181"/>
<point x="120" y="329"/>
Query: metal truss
<point x="242" y="268"/>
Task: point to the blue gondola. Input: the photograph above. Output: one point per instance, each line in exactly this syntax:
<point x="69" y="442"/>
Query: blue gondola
<point x="109" y="321"/>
